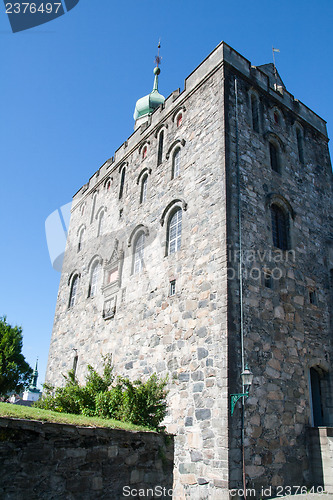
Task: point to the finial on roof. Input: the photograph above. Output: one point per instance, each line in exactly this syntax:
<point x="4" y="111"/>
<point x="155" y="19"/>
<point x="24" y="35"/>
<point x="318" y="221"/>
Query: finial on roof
<point x="147" y="104"/>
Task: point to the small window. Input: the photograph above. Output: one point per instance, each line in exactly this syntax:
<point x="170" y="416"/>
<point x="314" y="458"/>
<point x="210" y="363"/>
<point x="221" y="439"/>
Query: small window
<point x="313" y="297"/>
<point x="255" y="113"/>
<point x="276" y="118"/>
<point x="72" y="296"/>
<point x="138" y="254"/>
<point x="160" y="148"/>
<point x="172" y="288"/>
<point x="94" y="279"/>
<point x="274" y="157"/>
<point x="122" y="183"/>
<point x="75" y="361"/>
<point x="176" y="164"/>
<point x="83" y="207"/>
<point x="144" y="188"/>
<point x="93" y="208"/>
<point x="179" y="120"/>
<point x="268" y="280"/>
<point x="174" y="232"/>
<point x="144" y="153"/>
<point x="108" y="185"/>
<point x="112" y="276"/>
<point x="280" y="227"/>
<point x="101" y="224"/>
<point x="81" y="238"/>
<point x="300" y="146"/>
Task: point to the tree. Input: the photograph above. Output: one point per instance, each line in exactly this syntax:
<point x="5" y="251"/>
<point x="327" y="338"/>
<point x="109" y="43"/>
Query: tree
<point x="15" y="373"/>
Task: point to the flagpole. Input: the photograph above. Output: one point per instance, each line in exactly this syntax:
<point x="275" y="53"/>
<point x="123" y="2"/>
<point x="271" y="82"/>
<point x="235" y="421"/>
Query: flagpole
<point x="275" y="72"/>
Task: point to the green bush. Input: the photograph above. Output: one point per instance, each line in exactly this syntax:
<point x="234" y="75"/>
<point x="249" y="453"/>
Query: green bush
<point x="135" y="402"/>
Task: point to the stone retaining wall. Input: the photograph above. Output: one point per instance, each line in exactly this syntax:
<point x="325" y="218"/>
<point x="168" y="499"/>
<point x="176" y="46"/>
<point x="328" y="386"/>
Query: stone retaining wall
<point x="57" y="461"/>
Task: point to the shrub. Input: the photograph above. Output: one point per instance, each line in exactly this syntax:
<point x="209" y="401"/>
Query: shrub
<point x="135" y="402"/>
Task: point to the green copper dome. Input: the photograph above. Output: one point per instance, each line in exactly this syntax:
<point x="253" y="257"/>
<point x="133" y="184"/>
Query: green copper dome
<point x="148" y="103"/>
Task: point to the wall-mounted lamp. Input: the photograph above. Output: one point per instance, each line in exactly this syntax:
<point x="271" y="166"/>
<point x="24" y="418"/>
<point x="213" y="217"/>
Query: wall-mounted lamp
<point x="247" y="378"/>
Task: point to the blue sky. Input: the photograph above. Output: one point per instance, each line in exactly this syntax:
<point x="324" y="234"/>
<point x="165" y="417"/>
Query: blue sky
<point x="68" y="91"/>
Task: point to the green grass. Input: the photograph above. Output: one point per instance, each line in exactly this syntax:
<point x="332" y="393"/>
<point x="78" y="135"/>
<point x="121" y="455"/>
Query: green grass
<point x="29" y="413"/>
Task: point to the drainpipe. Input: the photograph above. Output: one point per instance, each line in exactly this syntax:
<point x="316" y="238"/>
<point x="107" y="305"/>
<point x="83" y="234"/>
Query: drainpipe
<point x="240" y="277"/>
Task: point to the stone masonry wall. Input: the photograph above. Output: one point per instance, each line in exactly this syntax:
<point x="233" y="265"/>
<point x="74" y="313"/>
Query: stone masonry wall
<point x="181" y="336"/>
<point x="193" y="336"/>
<point x="56" y="461"/>
<point x="284" y="333"/>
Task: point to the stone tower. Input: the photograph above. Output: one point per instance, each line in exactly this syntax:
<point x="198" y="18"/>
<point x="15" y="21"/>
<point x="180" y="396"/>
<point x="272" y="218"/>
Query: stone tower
<point x="233" y="173"/>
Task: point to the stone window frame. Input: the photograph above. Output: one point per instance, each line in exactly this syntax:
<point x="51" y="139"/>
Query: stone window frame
<point x="161" y="129"/>
<point x="82" y="208"/>
<point x="95" y="262"/>
<point x="277" y="117"/>
<point x="144" y="189"/>
<point x="179" y="110"/>
<point x="255" y="123"/>
<point x="100" y="216"/>
<point x="115" y="262"/>
<point x="322" y="368"/>
<point x="267" y="279"/>
<point x="168" y="213"/>
<point x="284" y="205"/>
<point x="80" y="234"/>
<point x="144" y="174"/>
<point x="138" y="231"/>
<point x="178" y="224"/>
<point x="108" y="183"/>
<point x="122" y="174"/>
<point x="138" y="264"/>
<point x="300" y="143"/>
<point x="73" y="279"/>
<point x="313" y="296"/>
<point x="274" y="141"/>
<point x="93" y="207"/>
<point x="144" y="146"/>
<point x="175" y="147"/>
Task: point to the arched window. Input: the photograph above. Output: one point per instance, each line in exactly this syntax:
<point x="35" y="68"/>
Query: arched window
<point x="72" y="295"/>
<point x="160" y="148"/>
<point x="144" y="187"/>
<point x="179" y="120"/>
<point x="93" y="207"/>
<point x="300" y="146"/>
<point x="174" y="232"/>
<point x="101" y="223"/>
<point x="122" y="183"/>
<point x="274" y="157"/>
<point x="255" y="113"/>
<point x="94" y="279"/>
<point x="138" y="253"/>
<point x="280" y="227"/>
<point x="144" y="153"/>
<point x="108" y="184"/>
<point x="176" y="164"/>
<point x="81" y="237"/>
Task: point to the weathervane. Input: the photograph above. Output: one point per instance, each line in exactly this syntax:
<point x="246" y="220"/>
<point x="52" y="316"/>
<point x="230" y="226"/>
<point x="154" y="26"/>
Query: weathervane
<point x="275" y="72"/>
<point x="158" y="58"/>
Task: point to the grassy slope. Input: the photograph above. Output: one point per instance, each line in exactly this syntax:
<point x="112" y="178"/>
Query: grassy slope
<point x="26" y="412"/>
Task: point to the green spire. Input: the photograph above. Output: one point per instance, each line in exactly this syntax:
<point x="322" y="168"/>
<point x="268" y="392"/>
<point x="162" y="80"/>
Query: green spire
<point x="33" y="385"/>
